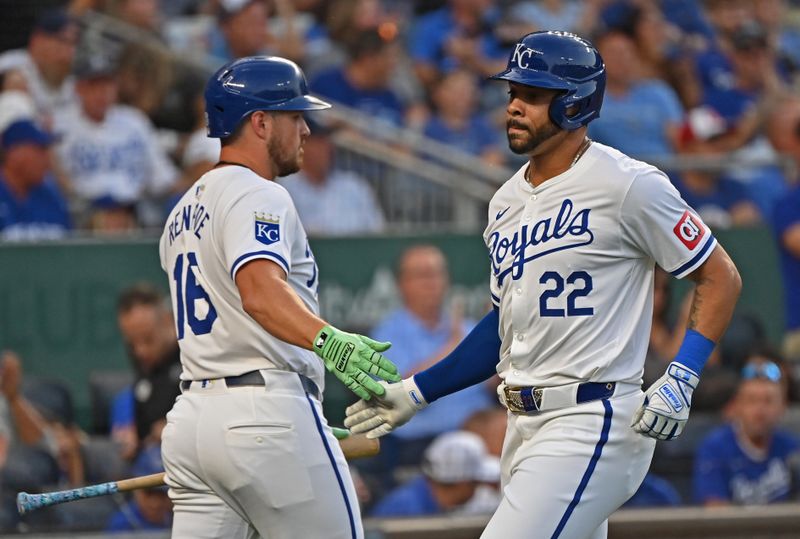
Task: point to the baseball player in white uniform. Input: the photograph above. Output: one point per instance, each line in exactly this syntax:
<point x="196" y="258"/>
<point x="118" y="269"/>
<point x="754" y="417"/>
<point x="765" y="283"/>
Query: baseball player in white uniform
<point x="246" y="448"/>
<point x="573" y="238"/>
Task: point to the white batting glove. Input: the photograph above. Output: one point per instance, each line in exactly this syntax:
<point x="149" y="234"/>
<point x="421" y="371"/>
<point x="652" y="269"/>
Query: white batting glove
<point x="666" y="405"/>
<point x="381" y="415"/>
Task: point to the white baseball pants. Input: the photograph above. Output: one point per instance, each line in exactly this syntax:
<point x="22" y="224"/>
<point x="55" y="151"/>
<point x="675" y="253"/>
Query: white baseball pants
<point x="565" y="471"/>
<point x="256" y="461"/>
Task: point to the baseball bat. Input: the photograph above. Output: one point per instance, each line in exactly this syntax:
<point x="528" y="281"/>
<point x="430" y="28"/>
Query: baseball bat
<point x="354" y="447"/>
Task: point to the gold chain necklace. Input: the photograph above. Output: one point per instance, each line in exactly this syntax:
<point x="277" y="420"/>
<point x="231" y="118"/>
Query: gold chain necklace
<point x="582" y="150"/>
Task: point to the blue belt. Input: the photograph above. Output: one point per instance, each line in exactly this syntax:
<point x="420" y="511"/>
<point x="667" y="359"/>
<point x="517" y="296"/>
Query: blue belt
<point x="254" y="378"/>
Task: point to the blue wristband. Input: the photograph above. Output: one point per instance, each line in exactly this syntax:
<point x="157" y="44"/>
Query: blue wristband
<point x="695" y="350"/>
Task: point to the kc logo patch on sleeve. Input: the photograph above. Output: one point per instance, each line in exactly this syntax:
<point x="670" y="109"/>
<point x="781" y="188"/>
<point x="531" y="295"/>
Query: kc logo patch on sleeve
<point x="267" y="228"/>
<point x="689" y="230"/>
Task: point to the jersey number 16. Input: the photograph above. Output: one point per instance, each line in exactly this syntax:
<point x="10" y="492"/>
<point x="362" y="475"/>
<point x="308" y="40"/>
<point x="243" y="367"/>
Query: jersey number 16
<point x="190" y="296"/>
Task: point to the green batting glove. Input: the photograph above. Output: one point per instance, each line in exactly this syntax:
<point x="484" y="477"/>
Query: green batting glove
<point x="340" y="434"/>
<point x="352" y="358"/>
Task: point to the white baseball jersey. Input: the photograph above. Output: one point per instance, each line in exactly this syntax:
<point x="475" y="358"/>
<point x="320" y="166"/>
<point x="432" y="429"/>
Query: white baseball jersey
<point x="49" y="101"/>
<point x="120" y="157"/>
<point x="229" y="217"/>
<point x="572" y="264"/>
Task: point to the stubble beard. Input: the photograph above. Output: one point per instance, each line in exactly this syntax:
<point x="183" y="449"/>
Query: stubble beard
<point x="284" y="164"/>
<point x="526" y="144"/>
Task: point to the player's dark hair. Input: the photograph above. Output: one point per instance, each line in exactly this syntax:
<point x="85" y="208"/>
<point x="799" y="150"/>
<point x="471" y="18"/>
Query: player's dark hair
<point x="139" y="294"/>
<point x="233" y="137"/>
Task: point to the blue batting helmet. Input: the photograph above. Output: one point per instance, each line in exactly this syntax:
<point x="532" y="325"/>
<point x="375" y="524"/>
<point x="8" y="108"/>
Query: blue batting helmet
<point x="560" y="61"/>
<point x="246" y="85"/>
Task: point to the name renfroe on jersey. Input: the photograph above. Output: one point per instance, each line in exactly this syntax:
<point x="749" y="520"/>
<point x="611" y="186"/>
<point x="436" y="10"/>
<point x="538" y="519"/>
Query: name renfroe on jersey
<point x="559" y="251"/>
<point x="230" y="217"/>
<point x="191" y="217"/>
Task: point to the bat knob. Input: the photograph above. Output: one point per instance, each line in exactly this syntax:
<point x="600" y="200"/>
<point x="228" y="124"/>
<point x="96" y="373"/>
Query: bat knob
<point x="22" y="502"/>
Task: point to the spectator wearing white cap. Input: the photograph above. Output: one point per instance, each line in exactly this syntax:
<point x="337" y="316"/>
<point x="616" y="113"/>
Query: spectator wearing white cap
<point x="47" y="62"/>
<point x="111" y="151"/>
<point x="454" y="466"/>
<point x="15" y="100"/>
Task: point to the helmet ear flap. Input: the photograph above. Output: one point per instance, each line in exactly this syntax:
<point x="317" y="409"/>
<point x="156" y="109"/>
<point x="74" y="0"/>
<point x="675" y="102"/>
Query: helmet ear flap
<point x="558" y="112"/>
<point x="576" y="108"/>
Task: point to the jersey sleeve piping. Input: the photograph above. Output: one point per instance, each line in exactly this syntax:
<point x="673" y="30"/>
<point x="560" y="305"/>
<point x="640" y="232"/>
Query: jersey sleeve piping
<point x="699" y="257"/>
<point x="247" y="257"/>
<point x="495" y="300"/>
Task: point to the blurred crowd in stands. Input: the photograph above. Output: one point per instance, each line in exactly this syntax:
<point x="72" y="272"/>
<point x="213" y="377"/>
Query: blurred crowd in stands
<point x="113" y="130"/>
<point x="103" y="136"/>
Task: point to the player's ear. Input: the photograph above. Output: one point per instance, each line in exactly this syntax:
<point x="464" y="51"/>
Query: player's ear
<point x="261" y="122"/>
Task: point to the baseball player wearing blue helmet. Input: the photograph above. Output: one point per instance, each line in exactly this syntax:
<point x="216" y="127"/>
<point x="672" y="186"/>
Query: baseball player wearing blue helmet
<point x="246" y="449"/>
<point x="573" y="239"/>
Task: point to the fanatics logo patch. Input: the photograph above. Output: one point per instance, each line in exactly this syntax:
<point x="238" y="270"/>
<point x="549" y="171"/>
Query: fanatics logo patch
<point x="689" y="230"/>
<point x="267" y="228"/>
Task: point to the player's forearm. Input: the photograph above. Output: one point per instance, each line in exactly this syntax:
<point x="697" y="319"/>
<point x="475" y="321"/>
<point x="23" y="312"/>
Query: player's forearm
<point x="718" y="285"/>
<point x="284" y="315"/>
<point x="271" y="302"/>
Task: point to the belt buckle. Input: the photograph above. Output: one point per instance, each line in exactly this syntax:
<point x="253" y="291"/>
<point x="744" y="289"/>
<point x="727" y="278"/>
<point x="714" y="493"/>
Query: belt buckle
<point x="523" y="399"/>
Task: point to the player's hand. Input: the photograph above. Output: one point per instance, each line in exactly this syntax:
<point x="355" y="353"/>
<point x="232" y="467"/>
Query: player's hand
<point x="384" y="414"/>
<point x="666" y="405"/>
<point x="353" y="358"/>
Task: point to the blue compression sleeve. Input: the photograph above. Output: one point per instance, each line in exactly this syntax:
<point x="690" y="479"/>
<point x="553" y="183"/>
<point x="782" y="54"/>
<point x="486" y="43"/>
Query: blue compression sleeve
<point x="695" y="350"/>
<point x="473" y="361"/>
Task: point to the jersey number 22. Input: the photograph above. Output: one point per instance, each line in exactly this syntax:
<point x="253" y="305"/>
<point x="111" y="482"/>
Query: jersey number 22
<point x="581" y="283"/>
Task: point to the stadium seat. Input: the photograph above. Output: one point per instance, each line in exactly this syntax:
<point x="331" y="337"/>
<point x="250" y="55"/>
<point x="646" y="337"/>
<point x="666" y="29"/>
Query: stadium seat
<point x="103" y="387"/>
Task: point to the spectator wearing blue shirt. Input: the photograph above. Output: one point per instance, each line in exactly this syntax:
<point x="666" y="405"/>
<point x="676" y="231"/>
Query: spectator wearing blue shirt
<point x="663" y="51"/>
<point x="748" y="461"/>
<point x="719" y="201"/>
<point x="754" y="73"/>
<point x="453" y="467"/>
<point x="422" y="331"/>
<point x="687" y="16"/>
<point x="31" y="204"/>
<point x="640" y="117"/>
<point x="786" y="224"/>
<point x="150" y="509"/>
<point x="783" y="130"/>
<point x="363" y="83"/>
<point x="772" y="14"/>
<point x="457" y="121"/>
<point x="457" y="35"/>
<point x="654" y="491"/>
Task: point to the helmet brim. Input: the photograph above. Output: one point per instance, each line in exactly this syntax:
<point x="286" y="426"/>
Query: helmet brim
<point x="302" y="103"/>
<point x="536" y="79"/>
